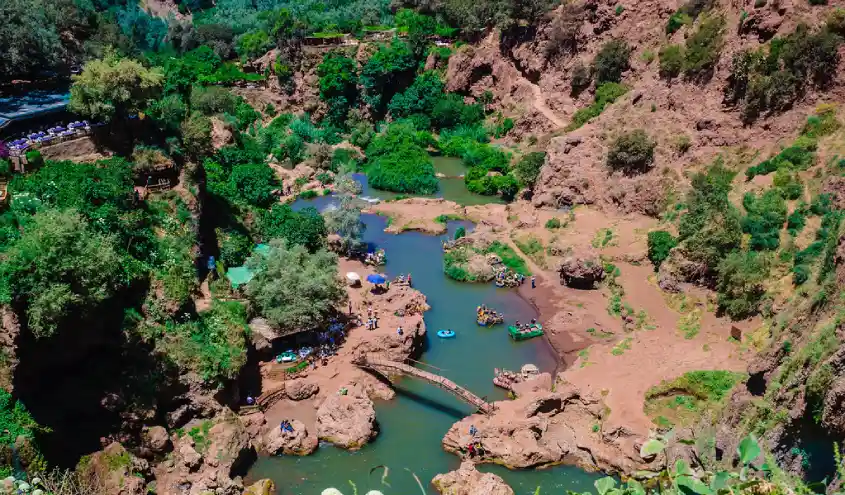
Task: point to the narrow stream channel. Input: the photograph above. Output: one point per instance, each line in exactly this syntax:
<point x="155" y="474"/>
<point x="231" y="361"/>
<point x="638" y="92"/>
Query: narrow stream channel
<point x="413" y="424"/>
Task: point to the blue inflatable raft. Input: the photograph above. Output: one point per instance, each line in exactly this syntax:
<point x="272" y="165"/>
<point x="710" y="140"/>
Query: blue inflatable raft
<point x="446" y="334"/>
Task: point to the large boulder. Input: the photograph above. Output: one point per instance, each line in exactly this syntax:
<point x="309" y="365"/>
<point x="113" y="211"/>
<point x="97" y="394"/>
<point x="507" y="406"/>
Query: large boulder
<point x="261" y="487"/>
<point x="348" y="421"/>
<point x="468" y="481"/>
<point x="156" y="439"/>
<point x="297" y="442"/>
<point x="301" y="389"/>
<point x="581" y="270"/>
<point x="113" y="470"/>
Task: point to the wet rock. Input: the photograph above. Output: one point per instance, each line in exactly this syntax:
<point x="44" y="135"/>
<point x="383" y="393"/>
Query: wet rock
<point x="261" y="487"/>
<point x="469" y="481"/>
<point x="348" y="421"/>
<point x="300" y="389"/>
<point x="581" y="270"/>
<point x="297" y="442"/>
<point x="156" y="439"/>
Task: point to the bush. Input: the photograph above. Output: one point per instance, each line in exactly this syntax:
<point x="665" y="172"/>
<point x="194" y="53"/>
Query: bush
<point x="765" y="218"/>
<point x="836" y="21"/>
<point x="704" y="47"/>
<point x="611" y="61"/>
<point x="553" y="223"/>
<point x="254" y="183"/>
<point x="528" y="168"/>
<point x="212" y="100"/>
<point x="305" y="227"/>
<point x="581" y="78"/>
<point x="671" y="61"/>
<point x="632" y="152"/>
<point x="34" y="159"/>
<point x="408" y="170"/>
<point x="460" y="232"/>
<point x="660" y="243"/>
<point x="740" y="283"/>
<point x="606" y="94"/>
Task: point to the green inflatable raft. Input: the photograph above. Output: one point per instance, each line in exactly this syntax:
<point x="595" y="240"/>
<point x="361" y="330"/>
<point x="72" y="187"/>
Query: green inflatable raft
<point x="527" y="331"/>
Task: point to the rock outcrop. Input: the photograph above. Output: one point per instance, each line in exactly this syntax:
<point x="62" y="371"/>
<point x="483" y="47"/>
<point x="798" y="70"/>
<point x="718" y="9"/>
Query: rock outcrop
<point x="468" y="481"/>
<point x="300" y="389"/>
<point x="297" y="442"/>
<point x="210" y="457"/>
<point x="261" y="487"/>
<point x="581" y="270"/>
<point x="114" y="470"/>
<point x="545" y="428"/>
<point x="348" y="421"/>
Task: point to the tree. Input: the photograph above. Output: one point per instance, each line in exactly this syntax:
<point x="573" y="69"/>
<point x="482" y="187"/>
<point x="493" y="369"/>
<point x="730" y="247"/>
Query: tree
<point x="114" y="88"/>
<point x="254" y="183"/>
<point x="611" y="61"/>
<point x="60" y="268"/>
<point x="253" y="44"/>
<point x="168" y="112"/>
<point x="196" y="135"/>
<point x="29" y="40"/>
<point x="294" y="289"/>
<point x="528" y="168"/>
<point x="305" y="228"/>
<point x="345" y="221"/>
<point x="740" y="283"/>
<point x="387" y="72"/>
<point x="765" y="219"/>
<point x="660" y="243"/>
<point x="632" y="152"/>
<point x="425" y="92"/>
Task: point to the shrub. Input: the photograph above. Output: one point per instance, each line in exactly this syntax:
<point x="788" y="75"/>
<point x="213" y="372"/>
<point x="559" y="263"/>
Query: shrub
<point x="632" y="152"/>
<point x="460" y="232"/>
<point x="671" y="61"/>
<point x="611" y="61"/>
<point x="789" y="184"/>
<point x="254" y="183"/>
<point x="553" y="223"/>
<point x="581" y="78"/>
<point x="683" y="143"/>
<point x="212" y="100"/>
<point x="704" y="47"/>
<point x="660" y="243"/>
<point x="765" y="218"/>
<point x="34" y="159"/>
<point x="305" y="227"/>
<point x="606" y="94"/>
<point x="740" y="283"/>
<point x="836" y="21"/>
<point x="408" y="170"/>
<point x="528" y="168"/>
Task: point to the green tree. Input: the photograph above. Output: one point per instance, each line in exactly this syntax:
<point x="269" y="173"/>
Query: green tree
<point x="528" y="168"/>
<point x="61" y="268"/>
<point x="387" y="72"/>
<point x="114" y="88"/>
<point x="611" y="61"/>
<point x="704" y="47"/>
<point x="710" y="228"/>
<point x="345" y="221"/>
<point x="740" y="283"/>
<point x="632" y="152"/>
<point x="168" y="112"/>
<point x="294" y="289"/>
<point x="421" y="97"/>
<point x="253" y="44"/>
<point x="660" y="243"/>
<point x="305" y="228"/>
<point x="254" y="183"/>
<point x="765" y="219"/>
<point x="29" y="40"/>
<point x="196" y="135"/>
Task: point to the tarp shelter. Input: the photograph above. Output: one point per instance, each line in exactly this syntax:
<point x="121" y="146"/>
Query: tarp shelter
<point x="241" y="275"/>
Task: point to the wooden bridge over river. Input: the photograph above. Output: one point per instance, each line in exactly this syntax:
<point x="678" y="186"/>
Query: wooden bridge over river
<point x="387" y="367"/>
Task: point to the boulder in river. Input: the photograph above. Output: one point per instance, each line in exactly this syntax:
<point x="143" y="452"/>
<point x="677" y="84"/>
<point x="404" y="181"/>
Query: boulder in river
<point x="468" y="481"/>
<point x="347" y="420"/>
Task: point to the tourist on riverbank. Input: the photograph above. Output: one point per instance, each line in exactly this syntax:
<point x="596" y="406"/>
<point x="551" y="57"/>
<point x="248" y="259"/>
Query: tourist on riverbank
<point x="533" y="282"/>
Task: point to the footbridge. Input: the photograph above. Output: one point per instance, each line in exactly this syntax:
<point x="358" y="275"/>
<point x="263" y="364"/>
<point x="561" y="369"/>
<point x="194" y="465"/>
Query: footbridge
<point x="387" y="367"/>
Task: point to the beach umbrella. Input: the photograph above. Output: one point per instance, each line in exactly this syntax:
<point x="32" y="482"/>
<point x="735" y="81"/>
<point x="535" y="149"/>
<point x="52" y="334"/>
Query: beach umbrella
<point x="375" y="278"/>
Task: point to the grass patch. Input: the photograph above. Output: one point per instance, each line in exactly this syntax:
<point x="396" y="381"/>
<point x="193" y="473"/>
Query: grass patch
<point x="509" y="257"/>
<point x="690" y="324"/>
<point x="622" y="346"/>
<point x="200" y="435"/>
<point x="533" y="248"/>
<point x="584" y="354"/>
<point x="682" y="401"/>
<point x="450" y="217"/>
<point x="601" y="334"/>
<point x="603" y="238"/>
<point x="606" y="94"/>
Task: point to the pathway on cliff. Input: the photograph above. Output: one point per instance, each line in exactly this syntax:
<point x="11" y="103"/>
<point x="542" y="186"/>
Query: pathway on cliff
<point x="540" y="105"/>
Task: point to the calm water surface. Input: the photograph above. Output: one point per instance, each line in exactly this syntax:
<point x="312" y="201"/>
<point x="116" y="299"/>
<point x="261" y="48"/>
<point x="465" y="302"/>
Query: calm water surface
<point x="413" y="424"/>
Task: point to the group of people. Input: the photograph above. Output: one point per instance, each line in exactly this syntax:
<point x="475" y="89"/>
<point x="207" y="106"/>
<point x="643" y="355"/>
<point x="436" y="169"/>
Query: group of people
<point x="527" y="326"/>
<point x="372" y="319"/>
<point x="509" y="278"/>
<point x="488" y="316"/>
<point x="376" y="258"/>
<point x="403" y="280"/>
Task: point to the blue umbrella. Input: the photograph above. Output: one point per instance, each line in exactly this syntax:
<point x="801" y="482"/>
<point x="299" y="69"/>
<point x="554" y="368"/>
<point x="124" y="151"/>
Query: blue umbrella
<point x="375" y="278"/>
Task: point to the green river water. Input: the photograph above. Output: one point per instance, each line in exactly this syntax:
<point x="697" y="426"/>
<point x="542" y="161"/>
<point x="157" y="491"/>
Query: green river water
<point x="413" y="424"/>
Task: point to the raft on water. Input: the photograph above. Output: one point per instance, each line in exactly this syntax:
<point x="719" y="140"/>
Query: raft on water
<point x="446" y="334"/>
<point x="526" y="332"/>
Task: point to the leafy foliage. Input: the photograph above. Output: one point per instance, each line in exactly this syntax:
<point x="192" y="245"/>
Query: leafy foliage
<point x="387" y="72"/>
<point x="293" y="289"/>
<point x="704" y="47"/>
<point x="671" y="61"/>
<point x="397" y="162"/>
<point x="611" y="61"/>
<point x="660" y="243"/>
<point x="632" y="152"/>
<point x="528" y="167"/>
<point x="113" y="88"/>
<point x="305" y="228"/>
<point x="606" y="94"/>
<point x="765" y="219"/>
<point x="740" y="283"/>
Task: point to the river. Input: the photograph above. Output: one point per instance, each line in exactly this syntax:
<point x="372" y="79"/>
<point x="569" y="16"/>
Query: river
<point x="413" y="424"/>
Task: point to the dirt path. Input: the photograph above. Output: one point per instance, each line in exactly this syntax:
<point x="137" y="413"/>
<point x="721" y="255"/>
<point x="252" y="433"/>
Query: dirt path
<point x="540" y="105"/>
